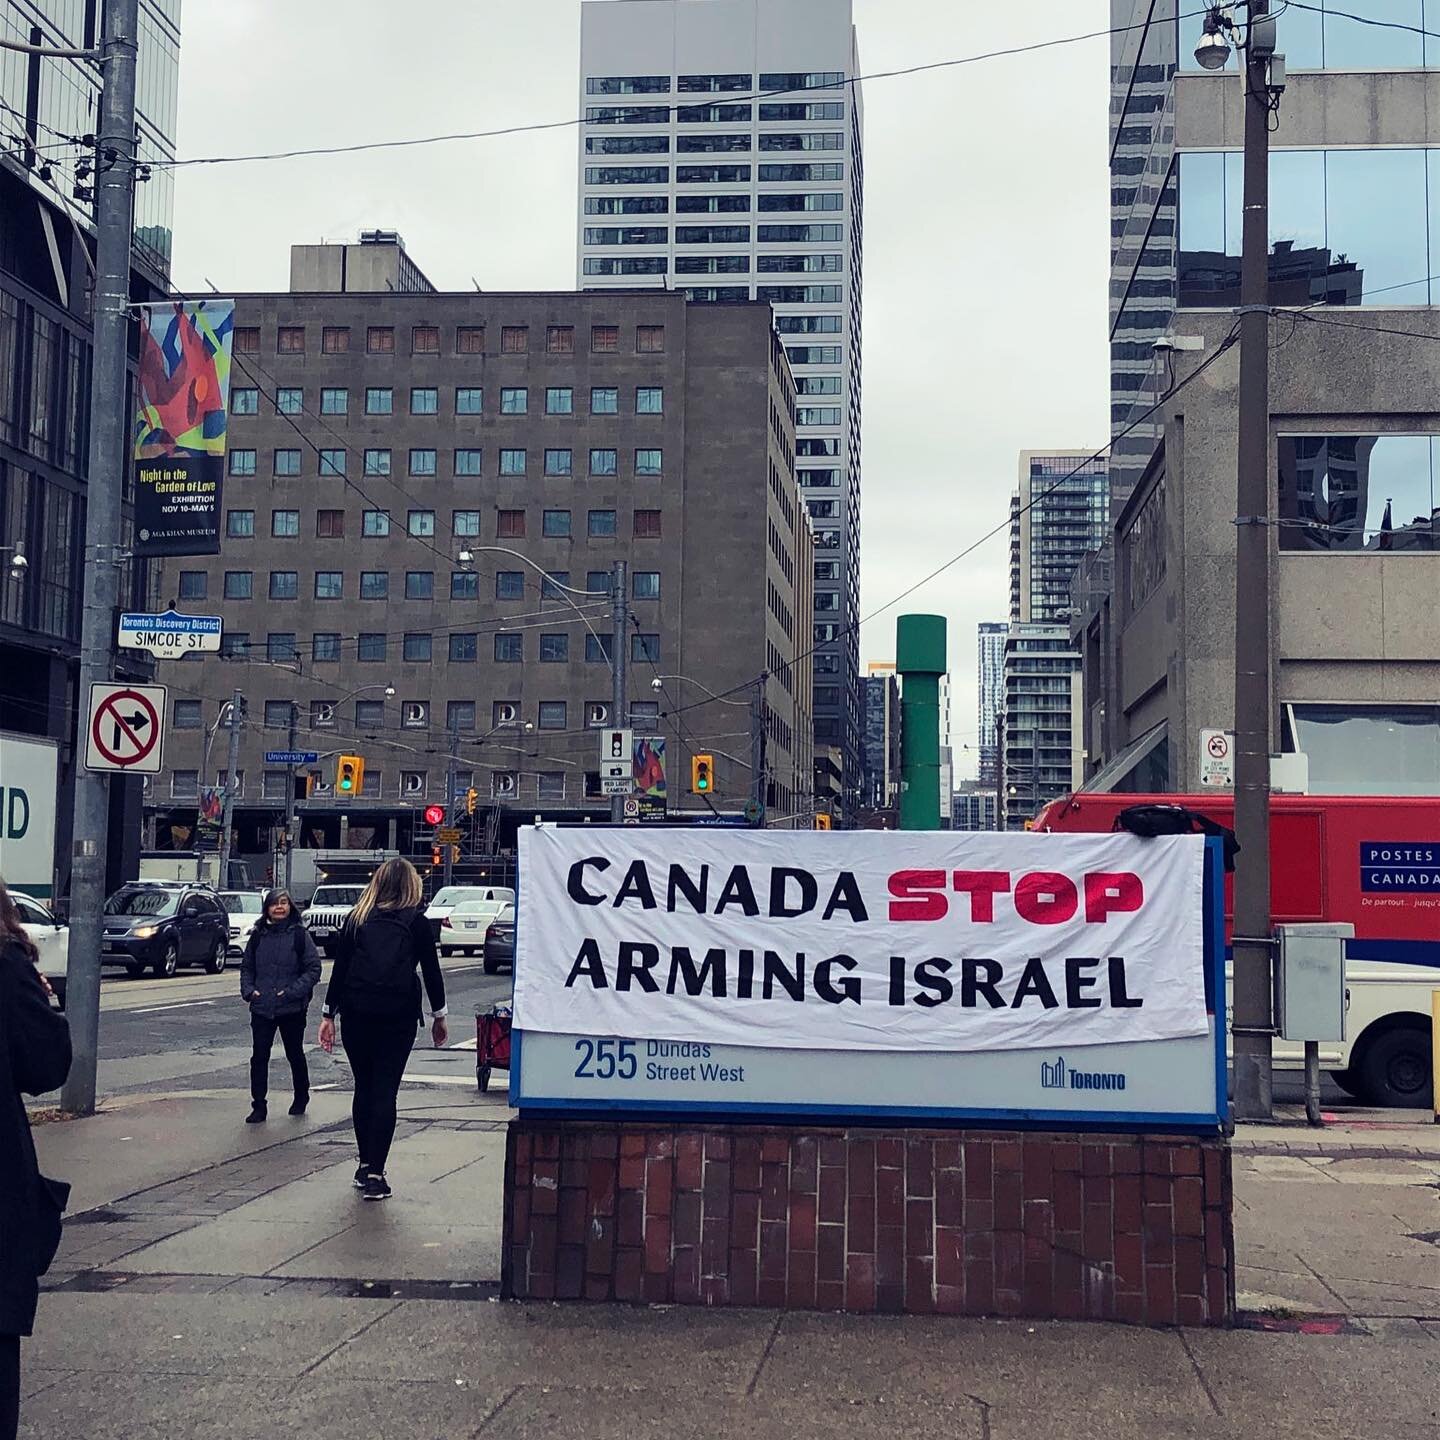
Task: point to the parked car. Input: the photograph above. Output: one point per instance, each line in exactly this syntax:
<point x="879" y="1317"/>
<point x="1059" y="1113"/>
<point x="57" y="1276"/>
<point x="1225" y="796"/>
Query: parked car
<point x="51" y="939"/>
<point x="244" y="908"/>
<point x="446" y="900"/>
<point x="500" y="942"/>
<point x="326" y="912"/>
<point x="161" y="927"/>
<point x="463" y="929"/>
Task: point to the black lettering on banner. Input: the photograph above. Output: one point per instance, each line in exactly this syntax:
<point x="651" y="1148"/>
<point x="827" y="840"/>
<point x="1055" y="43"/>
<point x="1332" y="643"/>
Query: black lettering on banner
<point x="780" y="878"/>
<point x="972" y="985"/>
<point x="897" y="980"/>
<point x="737" y="891"/>
<point x="637" y="960"/>
<point x="1077" y="983"/>
<point x="1119" y="996"/>
<point x="588" y="965"/>
<point x="682" y="967"/>
<point x="575" y="884"/>
<point x="694" y="891"/>
<point x="1034" y="981"/>
<point x="636" y="886"/>
<point x="930" y="976"/>
<point x="827" y="990"/>
<point x="846" y="896"/>
<point x="745" y="979"/>
<point x="791" y="982"/>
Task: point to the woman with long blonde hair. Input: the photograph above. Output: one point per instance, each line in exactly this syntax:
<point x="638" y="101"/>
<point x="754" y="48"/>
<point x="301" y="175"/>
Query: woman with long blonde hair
<point x="375" y="991"/>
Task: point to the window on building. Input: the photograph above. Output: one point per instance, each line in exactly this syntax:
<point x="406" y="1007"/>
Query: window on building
<point x="604" y="339"/>
<point x="597" y="649"/>
<point x="712" y="205"/>
<point x="604" y="400"/>
<point x="377" y="462"/>
<point x="285" y="584"/>
<point x="375" y="524"/>
<point x="649" y="339"/>
<point x="369" y="715"/>
<point x="557" y="462"/>
<point x="468" y="462"/>
<point x="647" y="584"/>
<point x="469" y="400"/>
<point x="424" y="400"/>
<point x="335" y="339"/>
<point x="647" y="524"/>
<point x="649" y="400"/>
<point x="469" y="339"/>
<point x="510" y="649"/>
<point x="460" y="715"/>
<point x="419" y="584"/>
<point x="645" y="648"/>
<point x="240" y="584"/>
<point x="559" y="400"/>
<point x="465" y="522"/>
<point x="422" y="463"/>
<point x="712" y="265"/>
<point x="464" y="585"/>
<point x="509" y="524"/>
<point x="380" y="340"/>
<point x="604" y="462"/>
<point x="239" y="524"/>
<point x="627" y="84"/>
<point x="325" y="647"/>
<point x="277" y="715"/>
<point x="424" y="340"/>
<point x="187" y="715"/>
<point x="464" y="648"/>
<point x="329" y="524"/>
<point x="246" y="340"/>
<point x="644" y="712"/>
<point x="514" y="339"/>
<point x="551" y="715"/>
<point x="555" y="648"/>
<point x="235" y="645"/>
<point x="332" y="462"/>
<point x="555" y="524"/>
<point x="289" y="400"/>
<point x="245" y="400"/>
<point x="417" y="648"/>
<point x="597" y="582"/>
<point x="280" y="647"/>
<point x="560" y="339"/>
<point x="242" y="462"/>
<point x="379" y="400"/>
<point x="290" y="340"/>
<point x="194" y="585"/>
<point x="184" y="784"/>
<point x="512" y="462"/>
<point x="550" y="586"/>
<point x="602" y="522"/>
<point x="691" y="83"/>
<point x="514" y="400"/>
<point x="421" y="523"/>
<point x="712" y="174"/>
<point x="371" y="647"/>
<point x="287" y="464"/>
<point x="510" y="585"/>
<point x="649" y="462"/>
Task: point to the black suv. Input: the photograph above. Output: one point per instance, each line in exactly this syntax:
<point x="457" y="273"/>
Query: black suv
<point x="161" y="927"/>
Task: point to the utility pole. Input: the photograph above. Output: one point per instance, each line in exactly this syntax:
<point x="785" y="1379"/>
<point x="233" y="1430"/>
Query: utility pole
<point x="290" y="796"/>
<point x="109" y="430"/>
<point x="757" y="745"/>
<point x="232" y="761"/>
<point x="619" y="701"/>
<point x="450" y="767"/>
<point x="1253" y="1020"/>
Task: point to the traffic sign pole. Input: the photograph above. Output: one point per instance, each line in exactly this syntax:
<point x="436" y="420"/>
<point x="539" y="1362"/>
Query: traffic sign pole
<point x="289" y="798"/>
<point x="237" y="702"/>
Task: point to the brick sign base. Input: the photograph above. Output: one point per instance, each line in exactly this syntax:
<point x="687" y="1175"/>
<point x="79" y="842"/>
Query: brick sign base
<point x="1042" y="1225"/>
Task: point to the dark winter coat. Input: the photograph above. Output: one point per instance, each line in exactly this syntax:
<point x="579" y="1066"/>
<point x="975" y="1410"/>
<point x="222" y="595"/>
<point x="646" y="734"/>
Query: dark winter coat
<point x="281" y="968"/>
<point x="34" y="1058"/>
<point x="375" y="966"/>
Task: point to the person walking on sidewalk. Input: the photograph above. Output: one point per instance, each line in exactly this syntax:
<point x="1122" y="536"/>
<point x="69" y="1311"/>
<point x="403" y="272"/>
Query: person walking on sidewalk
<point x="278" y="975"/>
<point x="375" y="991"/>
<point x="34" y="1058"/>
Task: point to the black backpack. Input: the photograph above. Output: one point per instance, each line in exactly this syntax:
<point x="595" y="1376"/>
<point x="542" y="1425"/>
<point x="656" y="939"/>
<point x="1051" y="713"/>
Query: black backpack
<point x="382" y="978"/>
<point x="1151" y="820"/>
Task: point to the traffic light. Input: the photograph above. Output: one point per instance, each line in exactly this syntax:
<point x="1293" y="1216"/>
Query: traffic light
<point x="434" y="814"/>
<point x="702" y="774"/>
<point x="822" y="822"/>
<point x="472" y="798"/>
<point x="454" y="854"/>
<point x="434" y="857"/>
<point x="349" y="775"/>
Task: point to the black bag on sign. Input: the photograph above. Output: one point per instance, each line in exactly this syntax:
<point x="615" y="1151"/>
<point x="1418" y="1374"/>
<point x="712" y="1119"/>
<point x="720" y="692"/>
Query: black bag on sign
<point x="383" y="978"/>
<point x="1149" y="821"/>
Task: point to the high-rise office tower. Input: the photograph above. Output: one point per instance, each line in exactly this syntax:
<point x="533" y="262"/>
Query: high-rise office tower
<point x="1058" y="514"/>
<point x="721" y="153"/>
<point x="990" y="639"/>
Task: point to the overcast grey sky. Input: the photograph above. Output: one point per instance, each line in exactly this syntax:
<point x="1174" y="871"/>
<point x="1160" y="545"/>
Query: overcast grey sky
<point x="986" y="226"/>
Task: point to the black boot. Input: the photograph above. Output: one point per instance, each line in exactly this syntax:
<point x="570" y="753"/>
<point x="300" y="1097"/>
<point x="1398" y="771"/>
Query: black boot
<point x="257" y="1114"/>
<point x="297" y="1106"/>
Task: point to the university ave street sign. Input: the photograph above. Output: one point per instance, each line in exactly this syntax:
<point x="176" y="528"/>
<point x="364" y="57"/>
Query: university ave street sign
<point x="170" y="633"/>
<point x="291" y="757"/>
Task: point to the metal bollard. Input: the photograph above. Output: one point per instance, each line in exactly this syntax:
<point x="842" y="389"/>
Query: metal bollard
<point x="1435" y="1054"/>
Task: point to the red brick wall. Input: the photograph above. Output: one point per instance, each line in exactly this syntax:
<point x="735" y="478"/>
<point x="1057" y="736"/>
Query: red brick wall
<point x="1042" y="1225"/>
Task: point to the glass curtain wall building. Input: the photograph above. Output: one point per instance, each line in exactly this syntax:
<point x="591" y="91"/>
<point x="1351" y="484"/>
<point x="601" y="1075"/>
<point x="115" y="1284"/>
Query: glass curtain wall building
<point x="722" y="154"/>
<point x="990" y="639"/>
<point x="1058" y="514"/>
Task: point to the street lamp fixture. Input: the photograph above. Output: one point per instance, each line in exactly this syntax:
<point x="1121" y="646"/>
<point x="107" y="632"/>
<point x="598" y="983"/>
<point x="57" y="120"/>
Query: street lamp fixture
<point x="18" y="563"/>
<point x="466" y="555"/>
<point x="1212" y="52"/>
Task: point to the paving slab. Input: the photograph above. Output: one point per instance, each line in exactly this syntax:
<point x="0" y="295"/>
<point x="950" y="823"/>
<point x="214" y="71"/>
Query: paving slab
<point x="716" y="1351"/>
<point x="384" y="1244"/>
<point x="232" y="1246"/>
<point x="122" y="1406"/>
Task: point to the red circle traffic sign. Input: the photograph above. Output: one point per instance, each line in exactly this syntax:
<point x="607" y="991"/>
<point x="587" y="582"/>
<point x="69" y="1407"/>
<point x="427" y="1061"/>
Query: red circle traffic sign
<point x="125" y="728"/>
<point x="434" y="814"/>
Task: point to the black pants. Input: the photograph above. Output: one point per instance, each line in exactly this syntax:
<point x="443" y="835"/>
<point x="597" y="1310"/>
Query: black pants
<point x="9" y="1386"/>
<point x="292" y="1036"/>
<point x="377" y="1047"/>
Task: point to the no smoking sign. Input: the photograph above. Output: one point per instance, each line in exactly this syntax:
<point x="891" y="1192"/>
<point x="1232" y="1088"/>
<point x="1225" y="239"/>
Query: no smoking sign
<point x="126" y="732"/>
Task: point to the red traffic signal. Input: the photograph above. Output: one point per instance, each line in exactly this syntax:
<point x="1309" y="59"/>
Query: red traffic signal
<point x="434" y="814"/>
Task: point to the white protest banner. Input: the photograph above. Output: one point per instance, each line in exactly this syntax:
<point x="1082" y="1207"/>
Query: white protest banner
<point x="860" y="940"/>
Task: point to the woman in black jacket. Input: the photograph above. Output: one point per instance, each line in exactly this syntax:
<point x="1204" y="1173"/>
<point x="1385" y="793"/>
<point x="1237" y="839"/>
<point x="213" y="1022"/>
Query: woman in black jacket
<point x="376" y="991"/>
<point x="279" y="973"/>
<point x="34" y="1058"/>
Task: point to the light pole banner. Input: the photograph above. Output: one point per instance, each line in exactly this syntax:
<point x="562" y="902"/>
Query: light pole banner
<point x="861" y="940"/>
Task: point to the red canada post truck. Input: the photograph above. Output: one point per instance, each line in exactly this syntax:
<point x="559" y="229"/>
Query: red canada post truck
<point x="1372" y="861"/>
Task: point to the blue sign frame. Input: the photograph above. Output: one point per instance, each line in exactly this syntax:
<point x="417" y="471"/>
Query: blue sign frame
<point x="1206" y="1122"/>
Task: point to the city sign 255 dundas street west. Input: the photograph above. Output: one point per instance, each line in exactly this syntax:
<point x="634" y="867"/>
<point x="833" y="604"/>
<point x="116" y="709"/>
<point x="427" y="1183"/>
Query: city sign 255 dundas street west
<point x="1014" y="976"/>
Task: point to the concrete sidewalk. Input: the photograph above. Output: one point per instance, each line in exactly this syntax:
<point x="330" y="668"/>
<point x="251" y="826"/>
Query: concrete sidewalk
<point x="213" y="1267"/>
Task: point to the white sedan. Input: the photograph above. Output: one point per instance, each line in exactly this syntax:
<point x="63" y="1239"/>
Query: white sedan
<point x="464" y="928"/>
<point x="51" y="939"/>
<point x="243" y="907"/>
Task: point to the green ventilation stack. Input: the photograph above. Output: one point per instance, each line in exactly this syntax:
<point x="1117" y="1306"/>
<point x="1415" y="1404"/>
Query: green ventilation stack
<point x="920" y="659"/>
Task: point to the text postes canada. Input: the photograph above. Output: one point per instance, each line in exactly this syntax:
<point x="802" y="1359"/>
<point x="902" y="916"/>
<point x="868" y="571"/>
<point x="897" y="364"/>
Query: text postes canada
<point x="1074" y="982"/>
